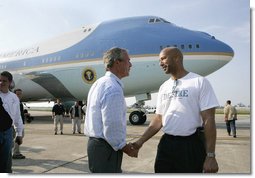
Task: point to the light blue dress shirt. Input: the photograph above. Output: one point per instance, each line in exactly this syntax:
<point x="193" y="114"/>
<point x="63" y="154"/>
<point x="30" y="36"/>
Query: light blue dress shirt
<point x="106" y="111"/>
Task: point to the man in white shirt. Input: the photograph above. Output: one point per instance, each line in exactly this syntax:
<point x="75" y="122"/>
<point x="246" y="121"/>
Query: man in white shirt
<point x="84" y="109"/>
<point x="11" y="106"/>
<point x="16" y="147"/>
<point x="105" y="122"/>
<point x="185" y="103"/>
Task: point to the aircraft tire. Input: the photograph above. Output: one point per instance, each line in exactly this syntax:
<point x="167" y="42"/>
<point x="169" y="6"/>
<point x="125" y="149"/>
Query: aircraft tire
<point x="137" y="118"/>
<point x="143" y="119"/>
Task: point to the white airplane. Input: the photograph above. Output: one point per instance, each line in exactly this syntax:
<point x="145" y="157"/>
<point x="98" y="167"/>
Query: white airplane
<point x="67" y="66"/>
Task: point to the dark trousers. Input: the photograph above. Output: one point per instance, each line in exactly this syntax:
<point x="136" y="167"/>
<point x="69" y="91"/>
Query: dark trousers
<point x="102" y="157"/>
<point x="231" y="125"/>
<point x="6" y="151"/>
<point x="228" y="127"/>
<point x="177" y="154"/>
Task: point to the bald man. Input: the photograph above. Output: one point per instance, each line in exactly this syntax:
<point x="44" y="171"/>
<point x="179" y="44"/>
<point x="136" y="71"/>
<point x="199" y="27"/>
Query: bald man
<point x="185" y="111"/>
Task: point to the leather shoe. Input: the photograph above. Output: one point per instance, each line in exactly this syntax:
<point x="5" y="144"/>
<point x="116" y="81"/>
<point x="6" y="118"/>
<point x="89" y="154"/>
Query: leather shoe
<point x="20" y="156"/>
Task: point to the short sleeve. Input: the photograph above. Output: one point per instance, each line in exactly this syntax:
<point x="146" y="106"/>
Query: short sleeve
<point x="207" y="98"/>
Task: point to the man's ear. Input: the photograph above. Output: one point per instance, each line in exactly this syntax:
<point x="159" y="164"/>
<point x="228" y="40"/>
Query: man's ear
<point x="117" y="61"/>
<point x="12" y="85"/>
<point x="176" y="59"/>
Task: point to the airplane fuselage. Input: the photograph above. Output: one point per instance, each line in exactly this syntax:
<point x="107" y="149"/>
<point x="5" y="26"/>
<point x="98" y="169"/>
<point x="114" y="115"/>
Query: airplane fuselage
<point x="66" y="67"/>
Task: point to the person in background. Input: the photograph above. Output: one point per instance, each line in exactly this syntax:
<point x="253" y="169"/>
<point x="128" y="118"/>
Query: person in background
<point x="16" y="148"/>
<point x="58" y="113"/>
<point x="230" y="114"/>
<point x="10" y="114"/>
<point x="76" y="116"/>
<point x="186" y="112"/>
<point x="84" y="109"/>
<point x="105" y="122"/>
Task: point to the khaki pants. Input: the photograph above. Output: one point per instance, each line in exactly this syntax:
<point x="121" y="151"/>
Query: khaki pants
<point x="58" y="119"/>
<point x="16" y="150"/>
<point x="76" y="121"/>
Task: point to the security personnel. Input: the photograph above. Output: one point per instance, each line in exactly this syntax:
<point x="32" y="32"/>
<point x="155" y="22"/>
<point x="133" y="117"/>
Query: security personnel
<point x="76" y="116"/>
<point x="58" y="112"/>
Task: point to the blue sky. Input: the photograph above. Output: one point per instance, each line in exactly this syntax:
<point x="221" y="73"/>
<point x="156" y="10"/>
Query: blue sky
<point x="25" y="22"/>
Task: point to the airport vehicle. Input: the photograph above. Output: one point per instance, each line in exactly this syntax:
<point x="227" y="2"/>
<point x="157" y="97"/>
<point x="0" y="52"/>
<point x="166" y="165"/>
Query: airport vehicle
<point x="66" y="67"/>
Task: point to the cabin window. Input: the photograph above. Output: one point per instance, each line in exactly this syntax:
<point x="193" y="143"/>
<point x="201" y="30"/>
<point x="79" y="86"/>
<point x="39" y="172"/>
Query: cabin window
<point x="190" y="46"/>
<point x="182" y="46"/>
<point x="3" y="66"/>
<point x="197" y="46"/>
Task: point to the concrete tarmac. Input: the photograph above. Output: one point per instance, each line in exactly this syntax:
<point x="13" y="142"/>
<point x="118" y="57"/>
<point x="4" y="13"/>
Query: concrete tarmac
<point x="60" y="154"/>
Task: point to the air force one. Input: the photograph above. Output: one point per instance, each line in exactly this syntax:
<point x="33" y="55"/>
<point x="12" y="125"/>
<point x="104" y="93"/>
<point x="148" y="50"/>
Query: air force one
<point x="66" y="67"/>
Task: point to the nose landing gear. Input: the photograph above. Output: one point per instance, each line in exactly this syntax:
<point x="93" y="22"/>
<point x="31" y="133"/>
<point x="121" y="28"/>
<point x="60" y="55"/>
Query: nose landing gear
<point x="137" y="117"/>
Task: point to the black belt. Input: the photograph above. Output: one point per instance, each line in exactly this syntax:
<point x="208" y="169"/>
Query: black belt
<point x="99" y="139"/>
<point x="198" y="132"/>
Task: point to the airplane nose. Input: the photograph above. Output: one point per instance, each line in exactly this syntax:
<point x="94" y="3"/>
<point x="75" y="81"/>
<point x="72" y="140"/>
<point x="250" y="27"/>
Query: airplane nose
<point x="227" y="49"/>
<point x="216" y="54"/>
<point x="213" y="44"/>
<point x="225" y="52"/>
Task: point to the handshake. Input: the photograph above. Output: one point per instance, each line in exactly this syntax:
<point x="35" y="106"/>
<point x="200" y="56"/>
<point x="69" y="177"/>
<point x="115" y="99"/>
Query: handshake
<point x="132" y="149"/>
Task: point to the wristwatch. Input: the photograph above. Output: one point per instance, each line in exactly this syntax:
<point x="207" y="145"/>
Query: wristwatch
<point x="210" y="155"/>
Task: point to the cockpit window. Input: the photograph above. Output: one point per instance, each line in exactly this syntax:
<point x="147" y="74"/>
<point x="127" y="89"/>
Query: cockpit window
<point x="151" y="20"/>
<point x="163" y="20"/>
<point x="157" y="20"/>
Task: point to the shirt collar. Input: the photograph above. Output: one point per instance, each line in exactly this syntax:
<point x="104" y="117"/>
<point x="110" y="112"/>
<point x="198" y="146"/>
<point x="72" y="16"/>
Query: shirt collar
<point x="110" y="74"/>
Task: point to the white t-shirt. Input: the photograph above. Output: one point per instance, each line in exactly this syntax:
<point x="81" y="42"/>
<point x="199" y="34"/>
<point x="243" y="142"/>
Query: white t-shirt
<point x="11" y="104"/>
<point x="181" y="101"/>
